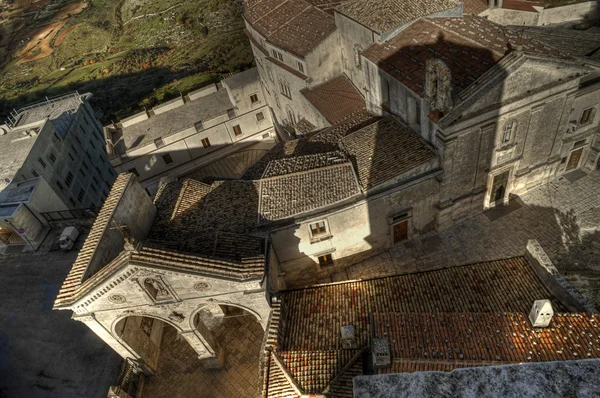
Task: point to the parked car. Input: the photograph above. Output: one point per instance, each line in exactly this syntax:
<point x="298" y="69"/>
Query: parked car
<point x="67" y="238"/>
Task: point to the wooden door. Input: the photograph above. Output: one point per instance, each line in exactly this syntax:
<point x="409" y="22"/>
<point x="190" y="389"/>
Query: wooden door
<point x="574" y="159"/>
<point x="499" y="187"/>
<point x="400" y="231"/>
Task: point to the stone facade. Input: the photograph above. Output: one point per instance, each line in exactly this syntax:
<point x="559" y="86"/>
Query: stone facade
<point x="192" y="131"/>
<point x="504" y="111"/>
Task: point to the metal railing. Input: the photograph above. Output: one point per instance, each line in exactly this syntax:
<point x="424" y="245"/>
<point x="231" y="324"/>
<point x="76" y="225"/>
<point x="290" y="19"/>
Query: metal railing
<point x="73" y="214"/>
<point x="13" y="118"/>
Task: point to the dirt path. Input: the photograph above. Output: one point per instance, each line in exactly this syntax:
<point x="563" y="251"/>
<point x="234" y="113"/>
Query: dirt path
<point x="63" y="35"/>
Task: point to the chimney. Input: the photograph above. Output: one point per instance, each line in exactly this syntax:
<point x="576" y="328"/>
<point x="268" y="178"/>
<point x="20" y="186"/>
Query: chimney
<point x="541" y="313"/>
<point x="380" y="349"/>
<point x="348" y="337"/>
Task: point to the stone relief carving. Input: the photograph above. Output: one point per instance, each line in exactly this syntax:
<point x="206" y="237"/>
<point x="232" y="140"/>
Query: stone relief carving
<point x="176" y="317"/>
<point x="202" y="286"/>
<point x="117" y="298"/>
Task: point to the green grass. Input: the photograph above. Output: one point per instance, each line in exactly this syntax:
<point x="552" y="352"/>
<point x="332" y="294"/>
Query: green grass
<point x="137" y="65"/>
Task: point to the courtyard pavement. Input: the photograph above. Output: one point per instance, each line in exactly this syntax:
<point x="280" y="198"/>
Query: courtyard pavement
<point x="181" y="375"/>
<point x="563" y="215"/>
<point x="44" y="353"/>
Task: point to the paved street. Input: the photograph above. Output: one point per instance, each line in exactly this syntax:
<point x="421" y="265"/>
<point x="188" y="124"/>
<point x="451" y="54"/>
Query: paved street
<point x="564" y="216"/>
<point x="44" y="353"/>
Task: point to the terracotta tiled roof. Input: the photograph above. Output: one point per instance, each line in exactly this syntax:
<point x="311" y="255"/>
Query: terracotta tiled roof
<point x="386" y="15"/>
<point x="474" y="7"/>
<point x="520" y="5"/>
<point x="287" y="150"/>
<point x="297" y="164"/>
<point x="470" y="46"/>
<point x="249" y="267"/>
<point x="191" y="216"/>
<point x="278" y="384"/>
<point x="438" y="316"/>
<point x="384" y="150"/>
<point x="293" y="194"/>
<point x="485" y="337"/>
<point x="335" y="99"/>
<point x="294" y="25"/>
<point x="77" y="275"/>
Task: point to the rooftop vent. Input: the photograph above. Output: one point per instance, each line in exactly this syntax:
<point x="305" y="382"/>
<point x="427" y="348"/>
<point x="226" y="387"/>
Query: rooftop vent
<point x="541" y="313"/>
<point x="380" y="350"/>
<point x="348" y="337"/>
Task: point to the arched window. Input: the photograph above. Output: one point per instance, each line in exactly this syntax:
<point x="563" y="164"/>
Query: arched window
<point x="284" y="88"/>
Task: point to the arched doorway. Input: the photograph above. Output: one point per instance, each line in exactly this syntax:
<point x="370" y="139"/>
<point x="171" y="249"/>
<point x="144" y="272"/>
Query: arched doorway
<point x="145" y="336"/>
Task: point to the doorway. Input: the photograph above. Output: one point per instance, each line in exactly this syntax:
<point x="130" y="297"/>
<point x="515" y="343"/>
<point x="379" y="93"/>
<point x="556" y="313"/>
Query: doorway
<point x="499" y="187"/>
<point x="400" y="231"/>
<point x="574" y="159"/>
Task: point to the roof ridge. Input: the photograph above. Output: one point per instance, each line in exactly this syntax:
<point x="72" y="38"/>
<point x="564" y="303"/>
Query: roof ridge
<point x="286" y="373"/>
<point x="445" y="29"/>
<point x="332" y="166"/>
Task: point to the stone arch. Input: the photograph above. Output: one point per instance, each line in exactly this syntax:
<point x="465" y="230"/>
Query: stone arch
<point x="196" y="341"/>
<point x="202" y="306"/>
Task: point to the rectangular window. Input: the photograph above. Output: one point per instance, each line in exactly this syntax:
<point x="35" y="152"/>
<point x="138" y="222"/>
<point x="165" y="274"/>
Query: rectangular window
<point x="587" y="116"/>
<point x="78" y="139"/>
<point x="85" y="165"/>
<point x="52" y="158"/>
<point x="237" y="130"/>
<point x="205" y="142"/>
<point x="96" y="180"/>
<point x="134" y="171"/>
<point x="326" y="260"/>
<point x="508" y="131"/>
<point x="92" y="144"/>
<point x="254" y="98"/>
<point x="69" y="179"/>
<point x="300" y="66"/>
<point x="199" y="126"/>
<point x="80" y="195"/>
<point x="42" y="162"/>
<point x="72" y="202"/>
<point x="260" y="116"/>
<point x="277" y="55"/>
<point x="71" y="156"/>
<point x="95" y="188"/>
<point x="35" y="174"/>
<point x="318" y="229"/>
<point x="56" y="136"/>
<point x="167" y="158"/>
<point x="58" y="184"/>
<point x="159" y="142"/>
<point x="82" y="172"/>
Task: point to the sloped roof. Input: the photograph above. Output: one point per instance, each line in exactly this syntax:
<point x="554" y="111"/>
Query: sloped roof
<point x="335" y="99"/>
<point x="294" y="25"/>
<point x="569" y="41"/>
<point x="431" y="319"/>
<point x="470" y="46"/>
<point x="384" y="150"/>
<point x="292" y="194"/>
<point x="385" y="15"/>
<point x="73" y="283"/>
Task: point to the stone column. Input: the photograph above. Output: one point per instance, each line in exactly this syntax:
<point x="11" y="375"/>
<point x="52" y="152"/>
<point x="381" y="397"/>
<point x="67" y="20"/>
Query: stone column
<point x="91" y="322"/>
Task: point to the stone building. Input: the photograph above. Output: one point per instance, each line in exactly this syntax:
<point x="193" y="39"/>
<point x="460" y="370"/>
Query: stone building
<point x="503" y="110"/>
<point x="127" y="287"/>
<point x="52" y="159"/>
<point x="194" y="130"/>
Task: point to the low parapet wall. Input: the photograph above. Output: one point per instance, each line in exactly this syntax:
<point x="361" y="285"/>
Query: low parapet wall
<point x="554" y="282"/>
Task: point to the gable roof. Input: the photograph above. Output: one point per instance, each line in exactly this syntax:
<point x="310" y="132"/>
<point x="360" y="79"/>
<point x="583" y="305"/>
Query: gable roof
<point x="335" y="99"/>
<point x="470" y="46"/>
<point x="293" y="194"/>
<point x="75" y="278"/>
<point x="294" y="25"/>
<point x="385" y="15"/>
<point x="384" y="150"/>
<point x="463" y="316"/>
